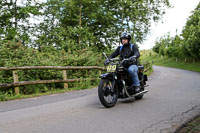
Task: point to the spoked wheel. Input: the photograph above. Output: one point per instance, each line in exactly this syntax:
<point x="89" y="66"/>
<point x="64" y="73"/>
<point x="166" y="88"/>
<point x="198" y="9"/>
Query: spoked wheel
<point x="107" y="94"/>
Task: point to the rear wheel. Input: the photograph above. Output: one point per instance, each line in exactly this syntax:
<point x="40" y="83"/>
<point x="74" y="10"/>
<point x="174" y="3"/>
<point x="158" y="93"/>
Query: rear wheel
<point x="107" y="94"/>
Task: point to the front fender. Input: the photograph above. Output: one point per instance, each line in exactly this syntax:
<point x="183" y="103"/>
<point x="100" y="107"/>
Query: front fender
<point x="106" y="76"/>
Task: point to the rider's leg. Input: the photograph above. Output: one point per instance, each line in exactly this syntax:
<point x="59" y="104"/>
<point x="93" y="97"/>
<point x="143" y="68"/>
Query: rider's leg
<point x="133" y="71"/>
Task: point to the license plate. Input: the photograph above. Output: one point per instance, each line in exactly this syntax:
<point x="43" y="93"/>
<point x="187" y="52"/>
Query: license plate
<point x="111" y="68"/>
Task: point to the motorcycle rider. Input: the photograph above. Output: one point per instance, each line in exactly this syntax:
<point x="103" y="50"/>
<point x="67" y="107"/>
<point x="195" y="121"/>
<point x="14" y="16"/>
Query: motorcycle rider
<point x="131" y="53"/>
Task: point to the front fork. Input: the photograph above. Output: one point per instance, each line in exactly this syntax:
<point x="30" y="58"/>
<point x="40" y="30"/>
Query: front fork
<point x="112" y="77"/>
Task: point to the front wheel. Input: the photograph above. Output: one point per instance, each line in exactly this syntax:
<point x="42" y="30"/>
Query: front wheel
<point x="107" y="94"/>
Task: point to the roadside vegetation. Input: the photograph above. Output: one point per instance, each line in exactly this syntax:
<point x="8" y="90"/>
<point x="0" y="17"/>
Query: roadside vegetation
<point x="15" y="54"/>
<point x="181" y="51"/>
<point x="191" y="127"/>
<point x="181" y="63"/>
<point x="185" y="46"/>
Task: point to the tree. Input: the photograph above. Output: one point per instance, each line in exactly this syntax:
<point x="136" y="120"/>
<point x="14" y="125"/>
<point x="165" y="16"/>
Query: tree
<point x="80" y="22"/>
<point x="191" y="34"/>
<point x="96" y="23"/>
<point x="15" y="20"/>
<point x="157" y="47"/>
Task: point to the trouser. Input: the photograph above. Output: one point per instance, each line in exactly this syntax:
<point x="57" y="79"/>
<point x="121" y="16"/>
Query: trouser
<point x="133" y="71"/>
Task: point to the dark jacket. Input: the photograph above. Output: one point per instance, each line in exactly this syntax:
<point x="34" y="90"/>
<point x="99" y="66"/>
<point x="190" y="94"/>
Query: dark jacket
<point x="126" y="52"/>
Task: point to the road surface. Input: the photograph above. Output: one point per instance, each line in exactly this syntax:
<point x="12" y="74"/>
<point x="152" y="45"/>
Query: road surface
<point x="173" y="98"/>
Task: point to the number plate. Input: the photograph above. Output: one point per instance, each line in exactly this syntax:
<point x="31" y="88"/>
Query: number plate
<point x="111" y="68"/>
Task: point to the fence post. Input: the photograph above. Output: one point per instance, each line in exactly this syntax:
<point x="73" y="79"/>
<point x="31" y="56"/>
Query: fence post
<point x="16" y="79"/>
<point x="65" y="78"/>
<point x="100" y="72"/>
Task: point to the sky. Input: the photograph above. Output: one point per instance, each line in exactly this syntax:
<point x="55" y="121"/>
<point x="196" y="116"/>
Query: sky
<point x="174" y="19"/>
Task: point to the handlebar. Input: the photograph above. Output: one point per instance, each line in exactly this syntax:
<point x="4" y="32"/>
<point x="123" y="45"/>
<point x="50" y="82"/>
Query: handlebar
<point x="116" y="59"/>
<point x="113" y="59"/>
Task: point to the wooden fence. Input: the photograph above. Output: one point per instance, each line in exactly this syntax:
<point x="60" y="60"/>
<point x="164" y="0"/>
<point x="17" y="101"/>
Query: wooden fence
<point x="16" y="84"/>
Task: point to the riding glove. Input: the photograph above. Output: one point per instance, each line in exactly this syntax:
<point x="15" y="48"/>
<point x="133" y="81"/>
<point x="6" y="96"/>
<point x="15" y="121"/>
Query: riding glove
<point x="132" y="58"/>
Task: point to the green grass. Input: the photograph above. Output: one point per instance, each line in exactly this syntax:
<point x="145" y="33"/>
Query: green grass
<point x="170" y="62"/>
<point x="191" y="127"/>
<point x="7" y="97"/>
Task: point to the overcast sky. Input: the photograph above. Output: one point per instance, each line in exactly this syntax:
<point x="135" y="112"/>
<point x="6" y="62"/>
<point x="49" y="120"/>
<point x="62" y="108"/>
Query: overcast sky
<point x="175" y="18"/>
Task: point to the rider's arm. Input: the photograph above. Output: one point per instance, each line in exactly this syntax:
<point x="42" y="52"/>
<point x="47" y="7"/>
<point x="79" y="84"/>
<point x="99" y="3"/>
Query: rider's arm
<point x="115" y="53"/>
<point x="136" y="52"/>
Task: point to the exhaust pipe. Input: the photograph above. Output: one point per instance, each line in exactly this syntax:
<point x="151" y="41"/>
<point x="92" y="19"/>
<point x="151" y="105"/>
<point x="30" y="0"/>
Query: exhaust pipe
<point x="140" y="93"/>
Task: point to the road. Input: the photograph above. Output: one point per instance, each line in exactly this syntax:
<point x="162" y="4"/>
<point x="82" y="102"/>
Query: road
<point x="173" y="98"/>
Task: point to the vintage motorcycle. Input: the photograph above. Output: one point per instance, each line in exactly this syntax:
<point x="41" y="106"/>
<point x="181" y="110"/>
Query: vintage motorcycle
<point x="116" y="83"/>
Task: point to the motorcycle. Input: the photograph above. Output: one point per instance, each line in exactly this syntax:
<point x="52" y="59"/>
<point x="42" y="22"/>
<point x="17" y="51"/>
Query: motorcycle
<point x="116" y="83"/>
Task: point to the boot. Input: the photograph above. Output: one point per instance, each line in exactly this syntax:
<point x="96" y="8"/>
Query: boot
<point x="132" y="89"/>
<point x="137" y="89"/>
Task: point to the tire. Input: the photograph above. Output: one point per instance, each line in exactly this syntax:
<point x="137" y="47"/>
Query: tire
<point x="105" y="94"/>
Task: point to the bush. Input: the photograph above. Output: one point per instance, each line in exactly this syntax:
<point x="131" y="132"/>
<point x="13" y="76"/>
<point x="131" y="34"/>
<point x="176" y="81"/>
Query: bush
<point x="13" y="54"/>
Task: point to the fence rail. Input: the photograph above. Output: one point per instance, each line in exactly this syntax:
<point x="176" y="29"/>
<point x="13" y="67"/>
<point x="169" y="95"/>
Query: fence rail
<point x="23" y="83"/>
<point x="53" y="67"/>
<point x="16" y="84"/>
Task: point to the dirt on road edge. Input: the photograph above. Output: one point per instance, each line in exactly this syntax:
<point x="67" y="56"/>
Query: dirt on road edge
<point x="192" y="126"/>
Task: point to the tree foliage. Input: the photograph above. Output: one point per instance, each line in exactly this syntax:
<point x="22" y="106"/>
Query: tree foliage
<point x="185" y="45"/>
<point x="191" y="34"/>
<point x="15" y="20"/>
<point x="78" y="22"/>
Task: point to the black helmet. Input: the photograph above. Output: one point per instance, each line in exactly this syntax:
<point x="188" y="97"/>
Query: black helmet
<point x="125" y="35"/>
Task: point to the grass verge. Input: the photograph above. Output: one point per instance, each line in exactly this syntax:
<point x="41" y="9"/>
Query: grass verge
<point x="7" y="97"/>
<point x="171" y="62"/>
<point x="191" y="127"/>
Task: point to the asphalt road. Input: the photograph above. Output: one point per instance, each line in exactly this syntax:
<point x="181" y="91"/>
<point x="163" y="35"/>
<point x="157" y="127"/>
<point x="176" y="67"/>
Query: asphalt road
<point x="173" y="98"/>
